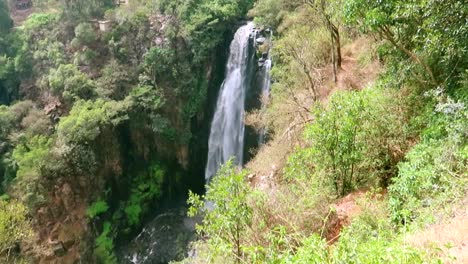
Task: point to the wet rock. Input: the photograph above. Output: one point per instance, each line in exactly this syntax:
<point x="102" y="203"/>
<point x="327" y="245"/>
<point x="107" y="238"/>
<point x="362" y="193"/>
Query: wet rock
<point x="265" y="55"/>
<point x="260" y="40"/>
<point x="261" y="62"/>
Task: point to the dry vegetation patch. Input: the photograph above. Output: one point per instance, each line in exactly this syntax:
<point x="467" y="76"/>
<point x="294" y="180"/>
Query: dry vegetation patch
<point x="449" y="238"/>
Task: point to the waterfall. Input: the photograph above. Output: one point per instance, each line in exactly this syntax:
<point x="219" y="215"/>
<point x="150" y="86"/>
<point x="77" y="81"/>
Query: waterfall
<point x="265" y="89"/>
<point x="227" y="128"/>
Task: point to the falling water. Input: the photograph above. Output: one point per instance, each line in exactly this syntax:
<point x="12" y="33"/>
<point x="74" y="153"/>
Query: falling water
<point x="227" y="128"/>
<point x="266" y="85"/>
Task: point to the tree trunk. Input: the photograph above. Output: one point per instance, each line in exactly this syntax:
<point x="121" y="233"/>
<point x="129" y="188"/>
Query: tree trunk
<point x="338" y="48"/>
<point x="387" y="34"/>
<point x="333" y="58"/>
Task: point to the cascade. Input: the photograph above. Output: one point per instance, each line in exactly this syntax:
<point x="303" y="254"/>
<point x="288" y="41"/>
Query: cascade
<point x="227" y="128"/>
<point x="265" y="94"/>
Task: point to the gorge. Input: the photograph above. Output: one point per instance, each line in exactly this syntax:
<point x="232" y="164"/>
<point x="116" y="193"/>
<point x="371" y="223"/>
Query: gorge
<point x="167" y="236"/>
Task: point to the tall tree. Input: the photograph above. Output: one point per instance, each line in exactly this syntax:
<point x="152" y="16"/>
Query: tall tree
<point x="324" y="8"/>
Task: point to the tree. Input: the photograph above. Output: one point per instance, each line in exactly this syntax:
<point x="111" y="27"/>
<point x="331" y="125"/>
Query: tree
<point x="85" y="34"/>
<point x="227" y="214"/>
<point x="82" y="9"/>
<point x="5" y="21"/>
<point x="88" y="118"/>
<point x="270" y="13"/>
<point x="70" y="83"/>
<point x="325" y="9"/>
<point x="432" y="34"/>
<point x="115" y="81"/>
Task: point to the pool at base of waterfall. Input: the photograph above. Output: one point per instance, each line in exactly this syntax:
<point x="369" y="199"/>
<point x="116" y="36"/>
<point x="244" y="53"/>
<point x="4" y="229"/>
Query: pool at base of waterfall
<point x="166" y="238"/>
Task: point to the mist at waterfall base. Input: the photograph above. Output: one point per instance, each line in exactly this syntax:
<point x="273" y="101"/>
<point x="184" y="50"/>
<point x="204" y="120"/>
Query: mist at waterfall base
<point x="166" y="238"/>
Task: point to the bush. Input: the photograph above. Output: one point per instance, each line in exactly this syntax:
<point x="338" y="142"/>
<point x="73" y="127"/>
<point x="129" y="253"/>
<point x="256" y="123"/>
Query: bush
<point x="355" y="141"/>
<point x="371" y="239"/>
<point x="226" y="212"/>
<point x="146" y="188"/>
<point x="97" y="208"/>
<point x="434" y="172"/>
<point x="31" y="155"/>
<point x="85" y="34"/>
<point x="70" y="83"/>
<point x="88" y="118"/>
<point x="313" y="251"/>
<point x="14" y="228"/>
<point x="104" y="249"/>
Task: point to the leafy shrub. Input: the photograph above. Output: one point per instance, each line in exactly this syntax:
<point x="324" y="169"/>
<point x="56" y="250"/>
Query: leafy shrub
<point x="146" y="188"/>
<point x="313" y="251"/>
<point x="353" y="141"/>
<point x="5" y="21"/>
<point x="97" y="208"/>
<point x="226" y="212"/>
<point x="434" y="171"/>
<point x="70" y="83"/>
<point x="115" y="81"/>
<point x="88" y="118"/>
<point x="270" y="13"/>
<point x="85" y="34"/>
<point x="371" y="238"/>
<point x="31" y="155"/>
<point x="104" y="249"/>
<point x="14" y="227"/>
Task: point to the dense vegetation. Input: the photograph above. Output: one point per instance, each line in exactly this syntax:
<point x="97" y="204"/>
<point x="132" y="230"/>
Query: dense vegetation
<point x="96" y="127"/>
<point x="94" y="124"/>
<point x="401" y="139"/>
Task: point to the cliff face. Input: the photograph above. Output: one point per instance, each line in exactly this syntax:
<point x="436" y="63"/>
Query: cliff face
<point x="65" y="231"/>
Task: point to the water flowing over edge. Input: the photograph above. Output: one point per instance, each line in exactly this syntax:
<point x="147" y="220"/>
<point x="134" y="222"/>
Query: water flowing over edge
<point x="227" y="128"/>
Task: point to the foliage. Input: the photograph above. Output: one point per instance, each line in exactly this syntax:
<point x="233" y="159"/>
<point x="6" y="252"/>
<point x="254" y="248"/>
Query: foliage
<point x="85" y="34"/>
<point x="148" y="100"/>
<point x="88" y="118"/>
<point x="115" y="81"/>
<point x="104" y="249"/>
<point x="270" y="13"/>
<point x="131" y="39"/>
<point x="83" y="9"/>
<point x="226" y="212"/>
<point x="371" y="239"/>
<point x="146" y="188"/>
<point x="31" y="155"/>
<point x="157" y="65"/>
<point x="14" y="227"/>
<point x="206" y="21"/>
<point x="313" y="251"/>
<point x="70" y="83"/>
<point x="300" y="53"/>
<point x="5" y="21"/>
<point x="431" y="33"/>
<point x="434" y="172"/>
<point x="97" y="208"/>
<point x="352" y="141"/>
